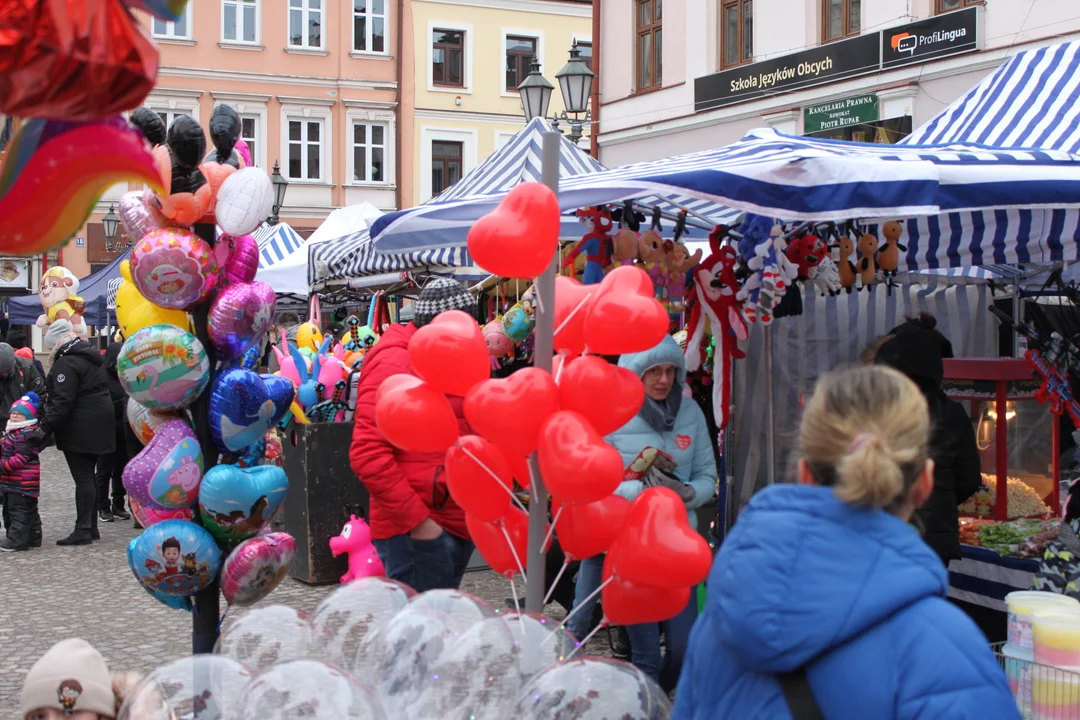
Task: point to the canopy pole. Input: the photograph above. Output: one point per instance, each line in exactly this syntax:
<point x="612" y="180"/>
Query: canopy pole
<point x="542" y="358"/>
<point x="770" y="417"/>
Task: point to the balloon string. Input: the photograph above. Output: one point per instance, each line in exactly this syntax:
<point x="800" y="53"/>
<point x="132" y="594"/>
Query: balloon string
<point x="490" y="472"/>
<point x="551" y="530"/>
<point x="517" y="605"/>
<point x="558" y="576"/>
<point x="572" y="314"/>
<point x="558" y="373"/>
<point x="580" y="605"/>
<point x="513" y="551"/>
<point x="603" y="624"/>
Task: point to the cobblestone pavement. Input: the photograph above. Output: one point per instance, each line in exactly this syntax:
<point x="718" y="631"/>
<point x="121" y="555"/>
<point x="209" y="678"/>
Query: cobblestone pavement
<point x="55" y="592"/>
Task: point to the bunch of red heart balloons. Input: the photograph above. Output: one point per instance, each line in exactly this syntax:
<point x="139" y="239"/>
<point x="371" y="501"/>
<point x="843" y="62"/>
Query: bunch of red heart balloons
<point x="654" y="557"/>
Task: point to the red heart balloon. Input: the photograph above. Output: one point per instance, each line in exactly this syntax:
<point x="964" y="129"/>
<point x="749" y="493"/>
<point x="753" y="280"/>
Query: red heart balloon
<point x="519" y="467"/>
<point x="572" y="301"/>
<point x="658" y="548"/>
<point x="621" y="321"/>
<point x="629" y="603"/>
<point x="470" y="464"/>
<point x="414" y="416"/>
<point x="587" y="378"/>
<point x="510" y="412"/>
<point x="628" y="278"/>
<point x="519" y="238"/>
<point x="491" y="541"/>
<point x="575" y="462"/>
<point x="450" y="353"/>
<point x="589" y="529"/>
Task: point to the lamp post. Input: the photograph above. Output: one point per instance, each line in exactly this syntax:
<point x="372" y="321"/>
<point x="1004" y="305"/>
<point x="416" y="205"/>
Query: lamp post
<point x="281" y="184"/>
<point x="575" y="84"/>
<point x="111" y="224"/>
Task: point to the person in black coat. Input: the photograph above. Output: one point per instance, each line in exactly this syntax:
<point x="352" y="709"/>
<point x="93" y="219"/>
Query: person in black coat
<point x="18" y="376"/>
<point x="79" y="414"/>
<point x="110" y="468"/>
<point x="917" y="349"/>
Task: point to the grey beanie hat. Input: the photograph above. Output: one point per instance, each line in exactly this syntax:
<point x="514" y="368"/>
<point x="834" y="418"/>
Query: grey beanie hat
<point x="57" y="332"/>
<point x="70" y="677"/>
<point x="440" y="295"/>
<point x="7" y="359"/>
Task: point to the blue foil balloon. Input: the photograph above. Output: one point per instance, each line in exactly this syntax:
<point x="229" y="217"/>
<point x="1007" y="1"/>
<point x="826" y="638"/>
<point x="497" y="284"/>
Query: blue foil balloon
<point x="236" y="503"/>
<point x="244" y="406"/>
<point x="252" y="356"/>
<point x="176" y="558"/>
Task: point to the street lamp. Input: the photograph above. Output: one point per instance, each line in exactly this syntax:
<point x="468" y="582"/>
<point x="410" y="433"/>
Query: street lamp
<point x="111" y="224"/>
<point x="535" y="92"/>
<point x="281" y="184"/>
<point x="575" y="83"/>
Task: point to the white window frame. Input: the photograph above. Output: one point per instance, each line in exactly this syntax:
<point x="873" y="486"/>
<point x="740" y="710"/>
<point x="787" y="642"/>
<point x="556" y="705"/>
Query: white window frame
<point x="367" y="26"/>
<point x="428" y="135"/>
<point x="305" y="10"/>
<point x="259" y="156"/>
<point x="175" y="102"/>
<point x="240" y="24"/>
<point x="575" y="38"/>
<point x="370" y="146"/>
<point x="294" y="109"/>
<point x="168" y="35"/>
<point x="251" y="105"/>
<point x="467" y="61"/>
<point x="372" y="113"/>
<point x="537" y="35"/>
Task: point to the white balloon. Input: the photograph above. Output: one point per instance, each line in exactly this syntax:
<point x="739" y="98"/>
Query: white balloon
<point x="208" y="687"/>
<point x="349" y="613"/>
<point x="244" y="201"/>
<point x="308" y="689"/>
<point x="266" y="636"/>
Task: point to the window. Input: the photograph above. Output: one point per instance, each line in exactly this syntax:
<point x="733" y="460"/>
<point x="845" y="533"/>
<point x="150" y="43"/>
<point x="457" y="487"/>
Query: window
<point x="944" y="6"/>
<point x="179" y="30"/>
<point x="585" y="47"/>
<point x="445" y="165"/>
<point x="240" y="21"/>
<point x="369" y="152"/>
<point x="448" y="58"/>
<point x="736" y="32"/>
<point x="305" y="24"/>
<point x="841" y="19"/>
<point x="369" y="26"/>
<point x="249" y="133"/>
<point x="650" y="49"/>
<point x="167" y="116"/>
<point x="305" y="149"/>
<point x="520" y="52"/>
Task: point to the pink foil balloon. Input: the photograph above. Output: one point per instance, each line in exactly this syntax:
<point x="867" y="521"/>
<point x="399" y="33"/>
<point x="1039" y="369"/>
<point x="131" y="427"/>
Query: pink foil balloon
<point x="173" y="268"/>
<point x="242" y="148"/>
<point x="242" y="260"/>
<point x="239" y="316"/>
<point x="137" y="216"/>
<point x="150" y="516"/>
<point x="256" y="567"/>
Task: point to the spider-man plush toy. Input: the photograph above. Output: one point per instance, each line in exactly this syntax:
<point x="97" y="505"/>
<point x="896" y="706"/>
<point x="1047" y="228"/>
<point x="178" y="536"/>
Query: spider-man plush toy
<point x="596" y="245"/>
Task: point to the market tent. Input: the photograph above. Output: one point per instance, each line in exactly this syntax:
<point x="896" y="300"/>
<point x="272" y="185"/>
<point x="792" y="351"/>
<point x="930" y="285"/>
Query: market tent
<point x="276" y="242"/>
<point x="93" y="288"/>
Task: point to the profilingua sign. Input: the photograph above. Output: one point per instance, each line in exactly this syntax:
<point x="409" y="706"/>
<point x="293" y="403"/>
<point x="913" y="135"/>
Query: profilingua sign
<point x="840" y="113"/>
<point x="950" y="33"/>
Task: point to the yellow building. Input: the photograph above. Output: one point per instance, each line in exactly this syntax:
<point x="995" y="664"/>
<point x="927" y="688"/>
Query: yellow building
<point x="466" y="61"/>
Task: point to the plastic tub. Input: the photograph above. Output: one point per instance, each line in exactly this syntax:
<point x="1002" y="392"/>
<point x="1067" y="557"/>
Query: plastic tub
<point x="1056" y="635"/>
<point x="1055" y="694"/>
<point x="1018" y="672"/>
<point x="1021" y="605"/>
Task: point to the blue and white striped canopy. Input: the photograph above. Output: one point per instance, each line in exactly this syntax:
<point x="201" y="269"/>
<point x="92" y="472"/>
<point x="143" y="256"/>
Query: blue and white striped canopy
<point x="354" y="256"/>
<point x="276" y="242"/>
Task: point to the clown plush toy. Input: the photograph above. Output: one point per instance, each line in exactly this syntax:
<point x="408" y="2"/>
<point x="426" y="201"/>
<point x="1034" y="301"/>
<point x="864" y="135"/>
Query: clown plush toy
<point x="715" y="298"/>
<point x="596" y="245"/>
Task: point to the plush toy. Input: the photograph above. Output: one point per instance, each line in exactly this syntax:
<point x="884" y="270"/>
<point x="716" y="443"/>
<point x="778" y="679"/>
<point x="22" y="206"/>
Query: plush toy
<point x="59" y="292"/>
<point x="678" y="262"/>
<point x="625" y="242"/>
<point x="806" y="252"/>
<point x="868" y="245"/>
<point x="888" y="255"/>
<point x="716" y="298"/>
<point x="846" y="268"/>
<point x="596" y="245"/>
<point x="355" y="539"/>
<point x="499" y="345"/>
<point x="761" y="247"/>
<point x="651" y="252"/>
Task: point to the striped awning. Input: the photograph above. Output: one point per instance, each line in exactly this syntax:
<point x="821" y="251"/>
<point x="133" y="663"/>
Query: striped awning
<point x="276" y="242"/>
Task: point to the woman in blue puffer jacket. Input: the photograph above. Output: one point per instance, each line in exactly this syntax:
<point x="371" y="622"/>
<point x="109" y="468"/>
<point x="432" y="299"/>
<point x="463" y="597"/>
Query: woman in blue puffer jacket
<point x="670" y="422"/>
<point x="823" y="594"/>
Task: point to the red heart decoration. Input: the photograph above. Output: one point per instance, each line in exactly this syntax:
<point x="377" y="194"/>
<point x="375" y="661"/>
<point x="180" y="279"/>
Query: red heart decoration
<point x="572" y="301"/>
<point x="587" y="378"/>
<point x="658" y="548"/>
<point x="589" y="529"/>
<point x="628" y="603"/>
<point x="683" y="441"/>
<point x="414" y="416"/>
<point x="519" y="238"/>
<point x="628" y="279"/>
<point x="519" y="467"/>
<point x="625" y="317"/>
<point x="575" y="462"/>
<point x="472" y="485"/>
<point x="450" y="353"/>
<point x="491" y="542"/>
<point x="511" y="411"/>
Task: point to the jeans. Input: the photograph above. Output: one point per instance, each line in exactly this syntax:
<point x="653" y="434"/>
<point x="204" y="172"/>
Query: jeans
<point x="645" y="645"/>
<point x="22" y="520"/>
<point x="426" y="564"/>
<point x="590" y="572"/>
<point x="82" y="467"/>
<point x="110" y="471"/>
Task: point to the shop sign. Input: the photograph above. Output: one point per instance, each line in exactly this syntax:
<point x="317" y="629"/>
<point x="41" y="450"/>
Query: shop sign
<point x="950" y="33"/>
<point x="826" y="63"/>
<point x="840" y="113"/>
<point x="14" y="274"/>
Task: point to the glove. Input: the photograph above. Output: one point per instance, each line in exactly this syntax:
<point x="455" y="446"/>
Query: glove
<point x="825" y="276"/>
<point x="658" y="478"/>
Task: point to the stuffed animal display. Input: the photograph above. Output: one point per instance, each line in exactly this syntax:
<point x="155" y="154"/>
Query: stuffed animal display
<point x="59" y="292"/>
<point x="596" y="245"/>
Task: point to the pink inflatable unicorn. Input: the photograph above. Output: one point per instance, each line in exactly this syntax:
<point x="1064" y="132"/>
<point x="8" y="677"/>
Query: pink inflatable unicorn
<point x="355" y="539"/>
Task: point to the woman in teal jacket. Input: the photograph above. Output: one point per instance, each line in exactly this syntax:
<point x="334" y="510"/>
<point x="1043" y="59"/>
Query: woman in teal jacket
<point x="670" y="422"/>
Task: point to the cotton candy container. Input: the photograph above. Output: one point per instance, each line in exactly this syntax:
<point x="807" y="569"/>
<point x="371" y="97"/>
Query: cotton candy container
<point x="173" y="268"/>
<point x="163" y="367"/>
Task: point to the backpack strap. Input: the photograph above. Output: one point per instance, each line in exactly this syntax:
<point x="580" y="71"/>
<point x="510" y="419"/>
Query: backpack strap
<point x="799" y="696"/>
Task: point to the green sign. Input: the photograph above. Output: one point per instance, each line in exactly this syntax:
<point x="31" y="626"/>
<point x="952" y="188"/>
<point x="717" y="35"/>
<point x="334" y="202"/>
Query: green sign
<point x="840" y="113"/>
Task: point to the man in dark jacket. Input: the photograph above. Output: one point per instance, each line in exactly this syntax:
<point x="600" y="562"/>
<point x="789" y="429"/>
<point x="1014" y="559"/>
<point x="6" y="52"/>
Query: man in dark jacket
<point x="18" y="376"/>
<point x="110" y="468"/>
<point x="79" y="413"/>
<point x="17" y="341"/>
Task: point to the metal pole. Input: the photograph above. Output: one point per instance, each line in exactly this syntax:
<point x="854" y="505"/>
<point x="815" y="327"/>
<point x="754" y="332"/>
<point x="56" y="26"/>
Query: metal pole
<point x="545" y="339"/>
<point x="1016" y="318"/>
<point x="770" y="419"/>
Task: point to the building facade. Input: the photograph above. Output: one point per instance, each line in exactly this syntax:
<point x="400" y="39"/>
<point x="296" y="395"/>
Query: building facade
<point x="698" y="74"/>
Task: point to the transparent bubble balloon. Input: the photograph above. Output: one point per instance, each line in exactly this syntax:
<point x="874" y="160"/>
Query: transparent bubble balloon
<point x="592" y="689"/>
<point x="349" y="613"/>
<point x="309" y="689"/>
<point x="206" y="687"/>
<point x="478" y="671"/>
<point x="539" y="642"/>
<point x="460" y="610"/>
<point x="266" y="636"/>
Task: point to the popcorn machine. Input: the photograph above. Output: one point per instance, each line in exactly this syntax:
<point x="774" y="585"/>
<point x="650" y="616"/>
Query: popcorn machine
<point x="1018" y="436"/>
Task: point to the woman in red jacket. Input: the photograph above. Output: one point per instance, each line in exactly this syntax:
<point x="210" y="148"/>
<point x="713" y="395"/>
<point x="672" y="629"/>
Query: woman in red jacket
<point x="418" y="529"/>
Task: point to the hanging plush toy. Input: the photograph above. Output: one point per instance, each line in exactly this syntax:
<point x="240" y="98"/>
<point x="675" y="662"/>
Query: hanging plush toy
<point x="845" y="268"/>
<point x="868" y="245"/>
<point x="499" y="346"/>
<point x="888" y="255"/>
<point x="762" y="250"/>
<point x="596" y="245"/>
<point x="59" y="293"/>
<point x="716" y="298"/>
<point x="651" y="251"/>
<point x="625" y="242"/>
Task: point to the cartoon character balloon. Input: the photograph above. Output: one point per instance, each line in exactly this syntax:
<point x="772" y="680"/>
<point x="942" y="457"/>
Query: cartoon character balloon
<point x="59" y="293"/>
<point x="187" y="195"/>
<point x="134" y="312"/>
<point x="518" y="323"/>
<point x="239" y="317"/>
<point x="355" y="539"/>
<point x="224" y="132"/>
<point x="244" y="406"/>
<point x="174" y="268"/>
<point x="235" y="503"/>
<point x="499" y="345"/>
<point x="163" y="367"/>
<point x="174" y="557"/>
<point x="256" y="567"/>
<point x="167" y="473"/>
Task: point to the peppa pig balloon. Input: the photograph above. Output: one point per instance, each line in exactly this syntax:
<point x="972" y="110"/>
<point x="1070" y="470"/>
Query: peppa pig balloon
<point x="150" y="516"/>
<point x="256" y="567"/>
<point x="167" y="473"/>
<point x="355" y="539"/>
<point x="173" y="268"/>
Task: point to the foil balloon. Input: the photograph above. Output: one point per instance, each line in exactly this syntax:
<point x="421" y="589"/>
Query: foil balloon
<point x="518" y="323"/>
<point x="244" y="406"/>
<point x="134" y="312"/>
<point x="244" y="151"/>
<point x="239" y="317"/>
<point x="224" y="132"/>
<point x="59" y="295"/>
<point x="174" y="601"/>
<point x="174" y="268"/>
<point x="168" y="10"/>
<point x="256" y="567"/>
<point x="235" y="503"/>
<point x="308" y="336"/>
<point x="245" y="200"/>
<point x="150" y="124"/>
<point x="187" y="142"/>
<point x="174" y="557"/>
<point x="167" y="473"/>
<point x="145" y="422"/>
<point x="150" y="516"/>
<point x="163" y="367"/>
<point x="55" y="171"/>
<point x="197" y="687"/>
<point x="238" y="256"/>
<point x="137" y="217"/>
